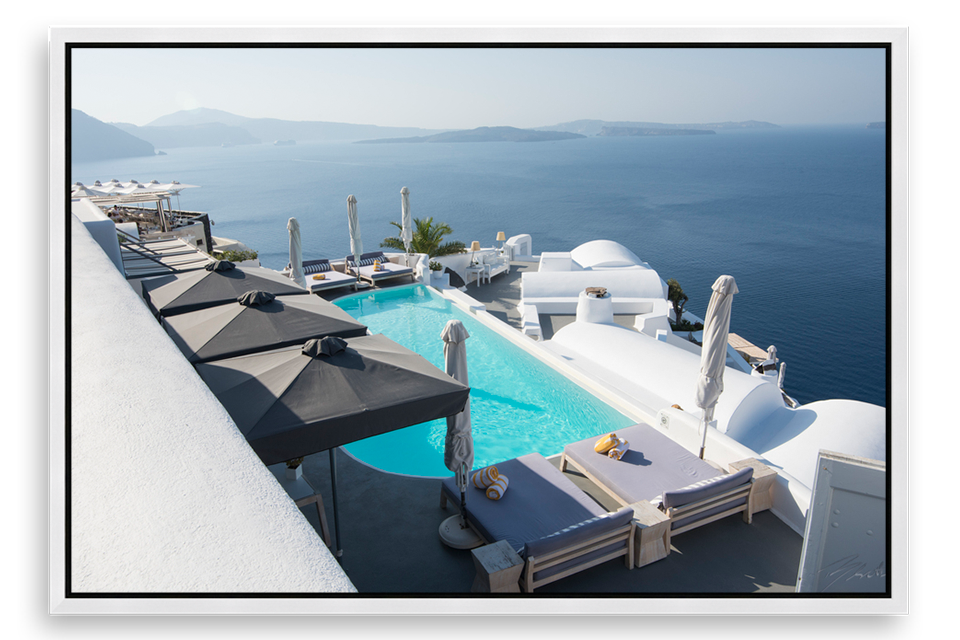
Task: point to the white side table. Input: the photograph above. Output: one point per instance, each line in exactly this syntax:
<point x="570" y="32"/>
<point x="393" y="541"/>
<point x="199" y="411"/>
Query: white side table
<point x="477" y="271"/>
<point x="498" y="568"/>
<point x="761" y="495"/>
<point x="652" y="541"/>
<point x="302" y="493"/>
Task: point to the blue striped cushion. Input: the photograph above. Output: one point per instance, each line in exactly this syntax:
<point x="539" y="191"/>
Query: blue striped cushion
<point x="366" y="262"/>
<point x="316" y="266"/>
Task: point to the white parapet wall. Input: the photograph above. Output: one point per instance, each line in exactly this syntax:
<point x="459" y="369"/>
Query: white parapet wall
<point x="166" y="496"/>
<point x="100" y="227"/>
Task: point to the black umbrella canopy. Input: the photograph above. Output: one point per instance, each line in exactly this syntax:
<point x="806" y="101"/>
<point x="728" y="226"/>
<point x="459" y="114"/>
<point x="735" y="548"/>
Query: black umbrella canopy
<point x="290" y="404"/>
<point x="221" y="282"/>
<point x="257" y="321"/>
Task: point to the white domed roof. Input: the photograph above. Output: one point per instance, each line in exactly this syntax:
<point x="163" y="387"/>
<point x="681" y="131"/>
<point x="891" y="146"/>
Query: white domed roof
<point x="606" y="254"/>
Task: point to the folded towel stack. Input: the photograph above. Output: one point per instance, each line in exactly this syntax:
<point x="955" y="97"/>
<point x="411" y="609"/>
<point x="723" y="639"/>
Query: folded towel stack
<point x="376" y="266"/>
<point x="496" y="490"/>
<point x="319" y="276"/>
<point x="485" y="477"/>
<point x="617" y="451"/>
<point x="606" y="443"/>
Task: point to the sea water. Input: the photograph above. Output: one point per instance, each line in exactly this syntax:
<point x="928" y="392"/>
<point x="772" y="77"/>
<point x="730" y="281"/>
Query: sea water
<point x="797" y="215"/>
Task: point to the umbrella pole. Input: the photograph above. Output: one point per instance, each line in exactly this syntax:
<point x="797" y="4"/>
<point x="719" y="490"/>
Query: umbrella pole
<point x="703" y="439"/>
<point x="462" y="481"/>
<point x="333" y="484"/>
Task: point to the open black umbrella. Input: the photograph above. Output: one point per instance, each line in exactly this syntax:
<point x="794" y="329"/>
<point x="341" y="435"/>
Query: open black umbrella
<point x="299" y="401"/>
<point x="257" y="321"/>
<point x="219" y="283"/>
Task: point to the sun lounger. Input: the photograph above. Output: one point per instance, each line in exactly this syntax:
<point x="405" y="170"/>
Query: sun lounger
<point x="555" y="527"/>
<point x="367" y="270"/>
<point x="331" y="279"/>
<point x="690" y="492"/>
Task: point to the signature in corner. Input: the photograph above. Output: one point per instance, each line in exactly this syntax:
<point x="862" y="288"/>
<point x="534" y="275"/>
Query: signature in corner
<point x="849" y="568"/>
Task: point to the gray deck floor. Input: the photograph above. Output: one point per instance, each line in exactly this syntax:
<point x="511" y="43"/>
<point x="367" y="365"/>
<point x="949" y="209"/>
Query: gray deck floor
<point x="389" y="535"/>
<point x="389" y="523"/>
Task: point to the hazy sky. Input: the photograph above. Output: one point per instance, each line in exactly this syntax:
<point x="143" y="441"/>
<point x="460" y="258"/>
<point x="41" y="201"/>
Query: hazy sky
<point x="452" y="88"/>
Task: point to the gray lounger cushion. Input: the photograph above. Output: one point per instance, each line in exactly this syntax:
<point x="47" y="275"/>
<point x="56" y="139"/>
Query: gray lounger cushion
<point x="653" y="464"/>
<point x="538" y="502"/>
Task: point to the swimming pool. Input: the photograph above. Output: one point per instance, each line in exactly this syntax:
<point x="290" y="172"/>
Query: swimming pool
<point x="518" y="404"/>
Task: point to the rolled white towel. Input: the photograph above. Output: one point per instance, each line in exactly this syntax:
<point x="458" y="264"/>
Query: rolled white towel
<point x="496" y="490"/>
<point x="485" y="477"/>
<point x="621" y="448"/>
<point x="606" y="443"/>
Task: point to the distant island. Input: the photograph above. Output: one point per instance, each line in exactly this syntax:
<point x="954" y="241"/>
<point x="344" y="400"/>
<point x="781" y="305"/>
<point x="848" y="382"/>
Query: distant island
<point x="633" y="131"/>
<point x="594" y="127"/>
<point x="202" y="127"/>
<point x="485" y="134"/>
<point x="876" y="125"/>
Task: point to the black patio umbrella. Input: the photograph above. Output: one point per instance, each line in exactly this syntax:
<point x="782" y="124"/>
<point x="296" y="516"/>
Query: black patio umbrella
<point x="330" y="392"/>
<point x="257" y="321"/>
<point x="219" y="283"/>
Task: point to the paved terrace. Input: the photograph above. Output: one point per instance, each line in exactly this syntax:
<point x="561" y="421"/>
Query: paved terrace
<point x="389" y="523"/>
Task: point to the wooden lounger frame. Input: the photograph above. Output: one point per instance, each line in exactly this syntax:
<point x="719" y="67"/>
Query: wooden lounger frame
<point x="626" y="533"/>
<point x="574" y="551"/>
<point x="355" y="271"/>
<point x="747" y="491"/>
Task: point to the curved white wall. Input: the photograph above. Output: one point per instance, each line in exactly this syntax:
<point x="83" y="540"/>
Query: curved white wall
<point x="167" y="496"/>
<point x="750" y="411"/>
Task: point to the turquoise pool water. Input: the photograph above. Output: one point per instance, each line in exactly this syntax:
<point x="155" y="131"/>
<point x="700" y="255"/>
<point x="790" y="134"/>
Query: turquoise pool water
<point x="518" y="405"/>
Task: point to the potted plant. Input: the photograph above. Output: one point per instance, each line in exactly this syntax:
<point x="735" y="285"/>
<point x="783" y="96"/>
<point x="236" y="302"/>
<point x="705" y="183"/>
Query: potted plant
<point x="436" y="272"/>
<point x="294" y="470"/>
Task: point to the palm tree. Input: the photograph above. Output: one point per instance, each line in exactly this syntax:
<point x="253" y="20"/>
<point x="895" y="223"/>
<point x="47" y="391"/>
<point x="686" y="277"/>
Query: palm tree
<point x="427" y="238"/>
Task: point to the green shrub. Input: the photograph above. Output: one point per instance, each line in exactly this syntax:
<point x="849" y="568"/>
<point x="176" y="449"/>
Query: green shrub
<point x="686" y="325"/>
<point x="236" y="256"/>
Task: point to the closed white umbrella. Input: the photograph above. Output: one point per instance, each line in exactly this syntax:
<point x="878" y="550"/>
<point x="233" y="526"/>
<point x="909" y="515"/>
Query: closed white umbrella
<point x="296" y="253"/>
<point x="458" y="445"/>
<point x="406" y="222"/>
<point x="356" y="243"/>
<point x="713" y="357"/>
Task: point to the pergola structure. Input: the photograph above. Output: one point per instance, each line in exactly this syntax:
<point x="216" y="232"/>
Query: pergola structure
<point x="132" y="193"/>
